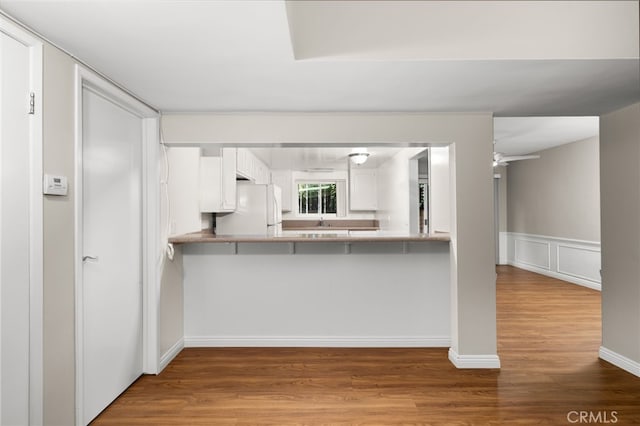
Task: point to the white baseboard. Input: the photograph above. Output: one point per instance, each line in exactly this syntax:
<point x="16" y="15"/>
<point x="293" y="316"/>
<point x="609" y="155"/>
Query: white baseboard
<point x="318" y="341"/>
<point x="574" y="261"/>
<point x="620" y="361"/>
<point x="563" y="277"/>
<point x="473" y="361"/>
<point x="170" y="354"/>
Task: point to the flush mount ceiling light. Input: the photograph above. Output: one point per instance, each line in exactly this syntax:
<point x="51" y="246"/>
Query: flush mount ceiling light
<point x="358" y="158"/>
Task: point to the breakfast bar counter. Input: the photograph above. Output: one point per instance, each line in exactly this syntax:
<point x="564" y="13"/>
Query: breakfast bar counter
<point x="308" y="237"/>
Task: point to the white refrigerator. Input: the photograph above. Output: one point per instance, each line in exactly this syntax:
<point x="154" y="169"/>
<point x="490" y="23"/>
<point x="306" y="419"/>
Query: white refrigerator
<point x="258" y="211"/>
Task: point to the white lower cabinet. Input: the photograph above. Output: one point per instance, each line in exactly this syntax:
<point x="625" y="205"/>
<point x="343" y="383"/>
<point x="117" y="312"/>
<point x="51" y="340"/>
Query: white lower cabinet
<point x="218" y="182"/>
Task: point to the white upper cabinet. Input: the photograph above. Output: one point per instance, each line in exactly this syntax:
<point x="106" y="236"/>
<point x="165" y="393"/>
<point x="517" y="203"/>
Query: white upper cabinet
<point x="244" y="163"/>
<point x="251" y="167"/>
<point x="283" y="179"/>
<point x="218" y="182"/>
<point x="363" y="189"/>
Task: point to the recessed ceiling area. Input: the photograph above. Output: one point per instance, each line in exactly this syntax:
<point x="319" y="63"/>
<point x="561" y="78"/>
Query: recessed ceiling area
<point x="463" y="30"/>
<point x="529" y="63"/>
<point x="183" y="55"/>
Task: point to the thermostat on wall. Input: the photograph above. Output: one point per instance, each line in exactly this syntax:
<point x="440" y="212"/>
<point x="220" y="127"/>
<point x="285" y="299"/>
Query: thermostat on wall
<point x="55" y="185"/>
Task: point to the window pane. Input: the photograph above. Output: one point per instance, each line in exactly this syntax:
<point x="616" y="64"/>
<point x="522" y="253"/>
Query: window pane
<point x="329" y="204"/>
<point x="308" y="198"/>
<point x="317" y="198"/>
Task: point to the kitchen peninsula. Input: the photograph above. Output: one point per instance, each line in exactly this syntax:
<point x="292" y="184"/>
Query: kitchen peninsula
<point x="316" y="289"/>
<point x="343" y="265"/>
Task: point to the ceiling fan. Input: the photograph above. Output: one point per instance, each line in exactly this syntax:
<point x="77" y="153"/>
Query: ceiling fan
<point x="499" y="159"/>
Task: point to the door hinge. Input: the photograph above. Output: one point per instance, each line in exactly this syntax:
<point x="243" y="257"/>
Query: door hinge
<point x="32" y="103"/>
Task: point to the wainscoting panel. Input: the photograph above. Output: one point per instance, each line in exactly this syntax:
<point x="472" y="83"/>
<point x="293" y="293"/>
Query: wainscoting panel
<point x="570" y="260"/>
<point x="534" y="253"/>
<point x="580" y="262"/>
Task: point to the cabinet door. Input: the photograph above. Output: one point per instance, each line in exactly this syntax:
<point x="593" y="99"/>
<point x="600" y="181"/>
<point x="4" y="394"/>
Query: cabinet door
<point x="282" y="178"/>
<point x="218" y="182"/>
<point x="242" y="163"/>
<point x="228" y="179"/>
<point x="363" y="189"/>
<point x="210" y="185"/>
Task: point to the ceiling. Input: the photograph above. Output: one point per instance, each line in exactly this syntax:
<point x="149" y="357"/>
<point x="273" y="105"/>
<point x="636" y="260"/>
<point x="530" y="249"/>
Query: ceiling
<point x="526" y="135"/>
<point x="299" y="158"/>
<point x="268" y="55"/>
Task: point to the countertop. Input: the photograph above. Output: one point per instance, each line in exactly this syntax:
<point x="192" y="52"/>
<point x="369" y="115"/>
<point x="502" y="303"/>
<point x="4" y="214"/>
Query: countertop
<point x="306" y="229"/>
<point x="324" y="225"/>
<point x="305" y="237"/>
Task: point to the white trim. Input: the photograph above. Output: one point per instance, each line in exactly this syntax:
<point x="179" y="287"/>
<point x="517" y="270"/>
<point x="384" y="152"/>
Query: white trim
<point x="529" y="240"/>
<point x="572" y="274"/>
<point x="88" y="79"/>
<point x="170" y="354"/>
<point x="555" y="269"/>
<point x="36" y="235"/>
<point x="318" y="341"/>
<point x="561" y="239"/>
<point x="151" y="244"/>
<point x="620" y="361"/>
<point x="1" y="26"/>
<point x="503" y="257"/>
<point x="568" y="278"/>
<point x="78" y="250"/>
<point x="473" y="361"/>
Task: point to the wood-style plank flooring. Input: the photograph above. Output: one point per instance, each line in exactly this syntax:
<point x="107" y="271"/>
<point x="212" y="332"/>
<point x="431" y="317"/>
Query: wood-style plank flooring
<point x="548" y="340"/>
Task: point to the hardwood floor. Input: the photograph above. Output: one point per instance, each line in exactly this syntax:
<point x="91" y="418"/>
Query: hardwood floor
<point x="548" y="340"/>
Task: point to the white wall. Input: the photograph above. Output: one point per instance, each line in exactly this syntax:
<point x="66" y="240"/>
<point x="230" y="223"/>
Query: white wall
<point x="620" y="218"/>
<point x="59" y="291"/>
<point x="335" y="175"/>
<point x="394" y="197"/>
<point x="310" y="176"/>
<point x="320" y="296"/>
<point x="558" y="194"/>
<point x="171" y="318"/>
<point x="554" y="213"/>
<point x="439" y="190"/>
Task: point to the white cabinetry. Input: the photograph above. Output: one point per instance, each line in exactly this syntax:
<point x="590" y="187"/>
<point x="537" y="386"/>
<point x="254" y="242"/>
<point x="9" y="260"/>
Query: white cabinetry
<point x="260" y="172"/>
<point x="283" y="179"/>
<point x="245" y="163"/>
<point x="363" y="189"/>
<point x="218" y="182"/>
<point x="250" y="167"/>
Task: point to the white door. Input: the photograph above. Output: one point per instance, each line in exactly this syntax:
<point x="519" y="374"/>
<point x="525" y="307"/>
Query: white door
<point x="112" y="251"/>
<point x="14" y="232"/>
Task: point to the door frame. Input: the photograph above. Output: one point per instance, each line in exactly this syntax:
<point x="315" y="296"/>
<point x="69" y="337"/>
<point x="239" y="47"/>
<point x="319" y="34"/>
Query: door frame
<point x="36" y="234"/>
<point x="87" y="79"/>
